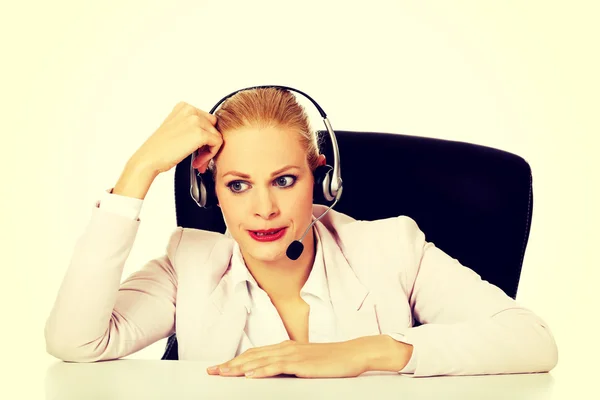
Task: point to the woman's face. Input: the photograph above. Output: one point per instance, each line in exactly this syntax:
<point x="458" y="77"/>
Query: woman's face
<point x="264" y="182"/>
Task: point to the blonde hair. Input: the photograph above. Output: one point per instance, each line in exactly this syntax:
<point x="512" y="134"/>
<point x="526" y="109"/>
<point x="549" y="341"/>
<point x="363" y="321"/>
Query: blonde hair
<point x="268" y="107"/>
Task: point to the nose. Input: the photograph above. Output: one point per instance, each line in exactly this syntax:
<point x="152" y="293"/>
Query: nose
<point x="265" y="205"/>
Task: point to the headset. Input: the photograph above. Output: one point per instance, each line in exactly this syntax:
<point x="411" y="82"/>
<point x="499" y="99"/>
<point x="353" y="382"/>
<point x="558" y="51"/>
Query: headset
<point x="328" y="180"/>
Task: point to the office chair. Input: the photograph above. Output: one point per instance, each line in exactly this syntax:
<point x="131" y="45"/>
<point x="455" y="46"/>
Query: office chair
<point x="473" y="202"/>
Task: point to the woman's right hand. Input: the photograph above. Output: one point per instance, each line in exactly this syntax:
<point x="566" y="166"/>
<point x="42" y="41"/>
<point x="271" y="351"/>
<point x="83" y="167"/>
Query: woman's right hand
<point x="185" y="130"/>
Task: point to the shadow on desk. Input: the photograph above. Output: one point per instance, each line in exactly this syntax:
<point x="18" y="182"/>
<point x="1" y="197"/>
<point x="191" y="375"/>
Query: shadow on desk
<point x="154" y="379"/>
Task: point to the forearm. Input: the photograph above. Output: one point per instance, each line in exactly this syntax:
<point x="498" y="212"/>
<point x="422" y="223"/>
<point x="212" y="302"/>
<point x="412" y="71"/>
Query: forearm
<point x="135" y="180"/>
<point x="382" y="353"/>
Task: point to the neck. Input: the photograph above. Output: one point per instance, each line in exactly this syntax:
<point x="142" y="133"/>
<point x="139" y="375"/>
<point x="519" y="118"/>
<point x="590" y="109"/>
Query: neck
<point x="282" y="280"/>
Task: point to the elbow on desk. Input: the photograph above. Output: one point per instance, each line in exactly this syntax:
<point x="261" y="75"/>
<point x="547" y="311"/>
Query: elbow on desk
<point x="67" y="349"/>
<point x="79" y="354"/>
<point x="549" y="351"/>
<point x="545" y="346"/>
<point x="65" y="354"/>
<point x="537" y="347"/>
<point x="73" y="353"/>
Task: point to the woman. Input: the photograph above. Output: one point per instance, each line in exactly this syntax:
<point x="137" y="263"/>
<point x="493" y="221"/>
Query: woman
<point x="346" y="306"/>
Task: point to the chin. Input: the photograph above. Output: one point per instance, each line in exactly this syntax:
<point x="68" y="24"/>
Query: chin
<point x="271" y="254"/>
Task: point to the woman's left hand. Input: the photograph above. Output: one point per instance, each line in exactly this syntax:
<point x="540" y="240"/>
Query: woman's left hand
<point x="310" y="360"/>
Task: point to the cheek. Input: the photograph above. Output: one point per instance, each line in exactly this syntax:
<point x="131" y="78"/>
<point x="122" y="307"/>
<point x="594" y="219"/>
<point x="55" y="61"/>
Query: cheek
<point x="300" y="203"/>
<point x="305" y="198"/>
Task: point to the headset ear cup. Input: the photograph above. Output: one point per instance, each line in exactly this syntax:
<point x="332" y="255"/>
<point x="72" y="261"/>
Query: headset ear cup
<point x="207" y="185"/>
<point x="322" y="175"/>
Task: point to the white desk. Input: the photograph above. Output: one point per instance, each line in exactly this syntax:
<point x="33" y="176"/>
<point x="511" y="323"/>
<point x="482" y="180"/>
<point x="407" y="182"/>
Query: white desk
<point x="156" y="379"/>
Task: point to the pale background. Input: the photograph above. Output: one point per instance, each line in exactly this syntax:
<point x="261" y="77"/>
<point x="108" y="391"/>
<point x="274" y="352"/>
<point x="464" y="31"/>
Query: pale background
<point x="83" y="85"/>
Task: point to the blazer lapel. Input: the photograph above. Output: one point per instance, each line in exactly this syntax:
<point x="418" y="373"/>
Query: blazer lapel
<point x="219" y="335"/>
<point x="352" y="303"/>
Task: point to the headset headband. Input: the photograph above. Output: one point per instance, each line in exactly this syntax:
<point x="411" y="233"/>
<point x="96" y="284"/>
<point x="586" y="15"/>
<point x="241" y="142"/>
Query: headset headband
<point x="323" y="115"/>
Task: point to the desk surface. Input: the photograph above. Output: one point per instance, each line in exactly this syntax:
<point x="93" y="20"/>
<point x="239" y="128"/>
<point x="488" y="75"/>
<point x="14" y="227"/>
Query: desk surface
<point x="156" y="379"/>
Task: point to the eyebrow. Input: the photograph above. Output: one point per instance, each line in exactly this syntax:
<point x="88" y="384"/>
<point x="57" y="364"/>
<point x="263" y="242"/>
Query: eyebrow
<point x="246" y="176"/>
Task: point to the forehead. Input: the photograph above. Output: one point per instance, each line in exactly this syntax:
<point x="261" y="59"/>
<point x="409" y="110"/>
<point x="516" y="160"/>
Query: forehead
<point x="253" y="149"/>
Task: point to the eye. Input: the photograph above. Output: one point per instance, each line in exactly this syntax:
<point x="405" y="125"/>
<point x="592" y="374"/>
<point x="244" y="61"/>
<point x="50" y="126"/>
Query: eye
<point x="286" y="181"/>
<point x="236" y="186"/>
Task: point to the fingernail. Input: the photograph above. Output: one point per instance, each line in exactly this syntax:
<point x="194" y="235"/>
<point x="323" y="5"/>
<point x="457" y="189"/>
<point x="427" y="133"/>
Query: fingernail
<point x="224" y="369"/>
<point x="249" y="373"/>
<point x="212" y="368"/>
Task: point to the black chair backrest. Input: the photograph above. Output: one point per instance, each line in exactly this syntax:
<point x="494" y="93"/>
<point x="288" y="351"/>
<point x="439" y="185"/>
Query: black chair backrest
<point x="473" y="202"/>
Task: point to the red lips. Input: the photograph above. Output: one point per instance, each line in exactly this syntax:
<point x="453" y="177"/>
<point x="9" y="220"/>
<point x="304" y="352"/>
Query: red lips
<point x="270" y="235"/>
<point x="268" y="230"/>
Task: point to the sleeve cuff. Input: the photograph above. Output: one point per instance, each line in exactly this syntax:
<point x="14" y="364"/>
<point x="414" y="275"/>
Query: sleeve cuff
<point x="411" y="366"/>
<point x="128" y="207"/>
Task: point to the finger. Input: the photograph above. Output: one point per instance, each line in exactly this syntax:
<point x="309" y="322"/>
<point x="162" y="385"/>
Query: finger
<point x="201" y="167"/>
<point x="241" y="369"/>
<point x="274" y="350"/>
<point x="213" y="141"/>
<point x="210" y="117"/>
<point x="208" y="150"/>
<point x="279" y="349"/>
<point x="200" y="159"/>
<point x="274" y="369"/>
<point x="207" y="126"/>
<point x="214" y="369"/>
<point x="203" y="158"/>
<point x="204" y="167"/>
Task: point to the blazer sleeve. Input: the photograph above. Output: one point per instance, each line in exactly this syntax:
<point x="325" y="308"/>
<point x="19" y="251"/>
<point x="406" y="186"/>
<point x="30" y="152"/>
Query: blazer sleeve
<point x="469" y="326"/>
<point x="95" y="317"/>
<point x="126" y="206"/>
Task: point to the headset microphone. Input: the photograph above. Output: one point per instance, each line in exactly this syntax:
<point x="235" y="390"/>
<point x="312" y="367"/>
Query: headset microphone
<point x="295" y="249"/>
